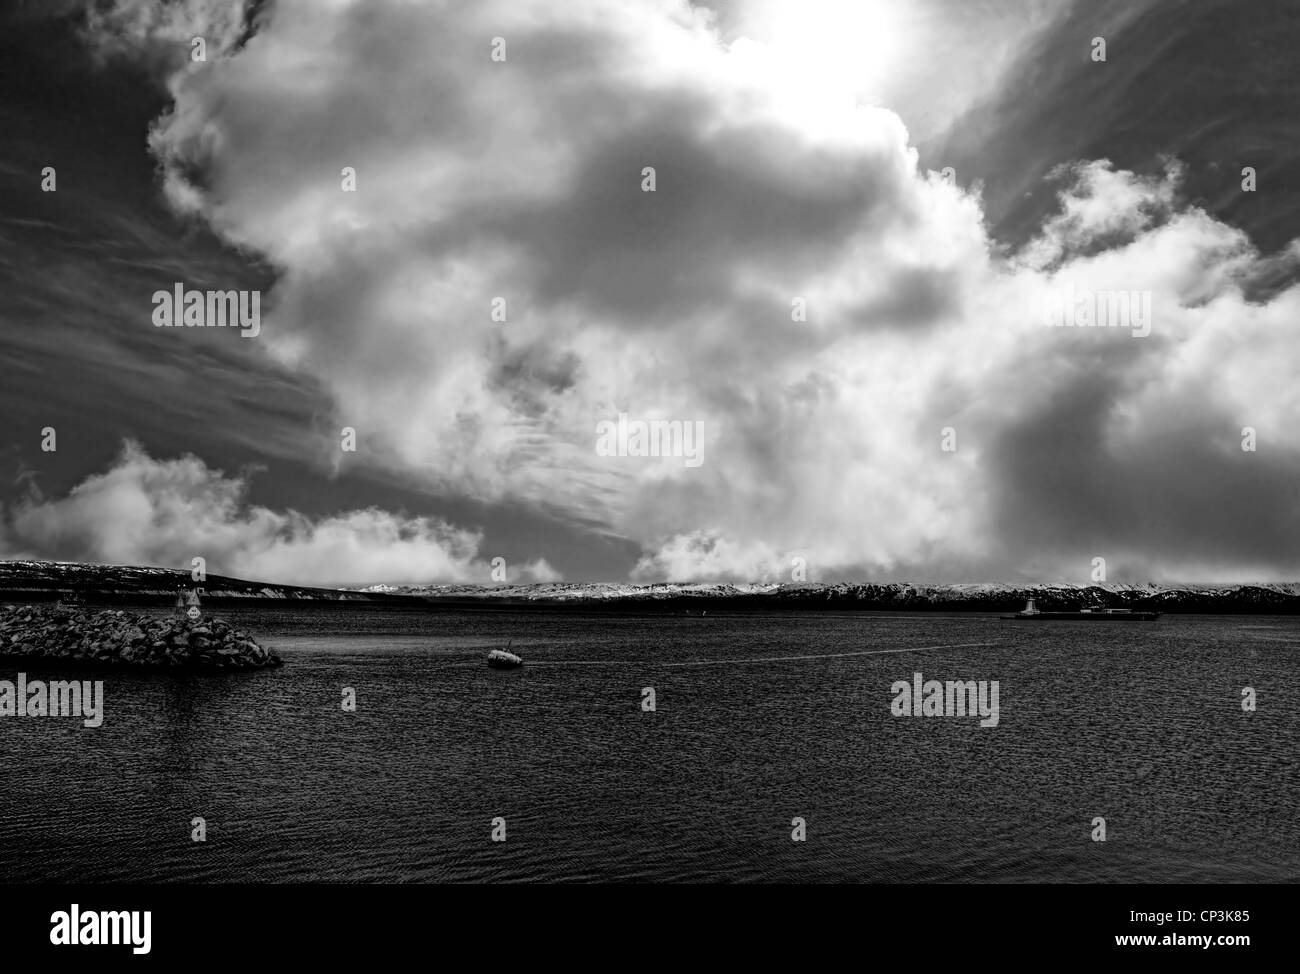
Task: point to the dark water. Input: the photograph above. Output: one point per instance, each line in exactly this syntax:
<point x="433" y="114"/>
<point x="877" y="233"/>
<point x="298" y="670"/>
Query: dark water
<point x="1140" y="724"/>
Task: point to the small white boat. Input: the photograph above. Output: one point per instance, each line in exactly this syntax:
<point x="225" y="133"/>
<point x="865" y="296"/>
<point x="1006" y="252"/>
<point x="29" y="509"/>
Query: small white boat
<point x="500" y="659"/>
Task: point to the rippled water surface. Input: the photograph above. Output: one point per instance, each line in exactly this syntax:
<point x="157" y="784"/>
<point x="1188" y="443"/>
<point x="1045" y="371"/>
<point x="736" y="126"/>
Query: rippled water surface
<point x="1140" y="724"/>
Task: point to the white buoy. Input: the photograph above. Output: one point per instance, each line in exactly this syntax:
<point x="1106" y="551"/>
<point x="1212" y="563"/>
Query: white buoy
<point x="499" y="659"/>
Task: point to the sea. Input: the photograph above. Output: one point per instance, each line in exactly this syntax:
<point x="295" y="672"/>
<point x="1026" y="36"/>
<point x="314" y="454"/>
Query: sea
<point x="716" y="747"/>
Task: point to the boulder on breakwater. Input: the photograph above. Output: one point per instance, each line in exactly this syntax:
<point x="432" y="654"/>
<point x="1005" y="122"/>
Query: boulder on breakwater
<point x="69" y="634"/>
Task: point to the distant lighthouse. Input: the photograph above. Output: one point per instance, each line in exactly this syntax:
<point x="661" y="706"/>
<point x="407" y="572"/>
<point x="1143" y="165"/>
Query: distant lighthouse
<point x="188" y="605"/>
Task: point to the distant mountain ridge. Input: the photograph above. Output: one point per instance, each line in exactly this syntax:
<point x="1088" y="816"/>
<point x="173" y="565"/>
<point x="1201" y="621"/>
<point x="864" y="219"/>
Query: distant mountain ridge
<point x="37" y="580"/>
<point x="1282" y="598"/>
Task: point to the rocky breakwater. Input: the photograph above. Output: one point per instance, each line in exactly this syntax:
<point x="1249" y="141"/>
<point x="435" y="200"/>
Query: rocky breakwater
<point x="64" y="634"/>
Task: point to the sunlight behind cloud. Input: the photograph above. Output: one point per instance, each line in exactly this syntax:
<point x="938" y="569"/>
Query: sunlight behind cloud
<point x="817" y="50"/>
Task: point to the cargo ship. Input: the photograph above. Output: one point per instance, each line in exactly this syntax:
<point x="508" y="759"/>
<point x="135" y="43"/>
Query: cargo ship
<point x="1032" y="613"/>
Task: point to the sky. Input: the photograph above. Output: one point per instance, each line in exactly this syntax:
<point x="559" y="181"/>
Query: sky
<point x="868" y="227"/>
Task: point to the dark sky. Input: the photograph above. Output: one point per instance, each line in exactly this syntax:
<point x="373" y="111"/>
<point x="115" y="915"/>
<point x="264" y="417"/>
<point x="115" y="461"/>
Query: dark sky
<point x="477" y="444"/>
<point x="75" y="265"/>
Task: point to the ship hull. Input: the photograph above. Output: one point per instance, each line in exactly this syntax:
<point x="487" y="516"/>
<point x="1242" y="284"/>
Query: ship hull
<point x="1085" y="617"/>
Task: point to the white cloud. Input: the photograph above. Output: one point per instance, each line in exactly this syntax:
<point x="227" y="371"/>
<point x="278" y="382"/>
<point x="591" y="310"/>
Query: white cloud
<point x="164" y="513"/>
<point x="522" y="179"/>
<point x="163" y="32"/>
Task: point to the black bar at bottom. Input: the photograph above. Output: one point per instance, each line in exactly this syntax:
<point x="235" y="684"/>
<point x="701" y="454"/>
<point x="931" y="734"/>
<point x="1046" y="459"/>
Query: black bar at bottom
<point x="923" y="925"/>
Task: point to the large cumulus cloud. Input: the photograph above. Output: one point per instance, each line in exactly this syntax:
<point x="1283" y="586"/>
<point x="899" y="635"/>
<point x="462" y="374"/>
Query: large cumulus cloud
<point x="522" y="179"/>
<point x="147" y="511"/>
